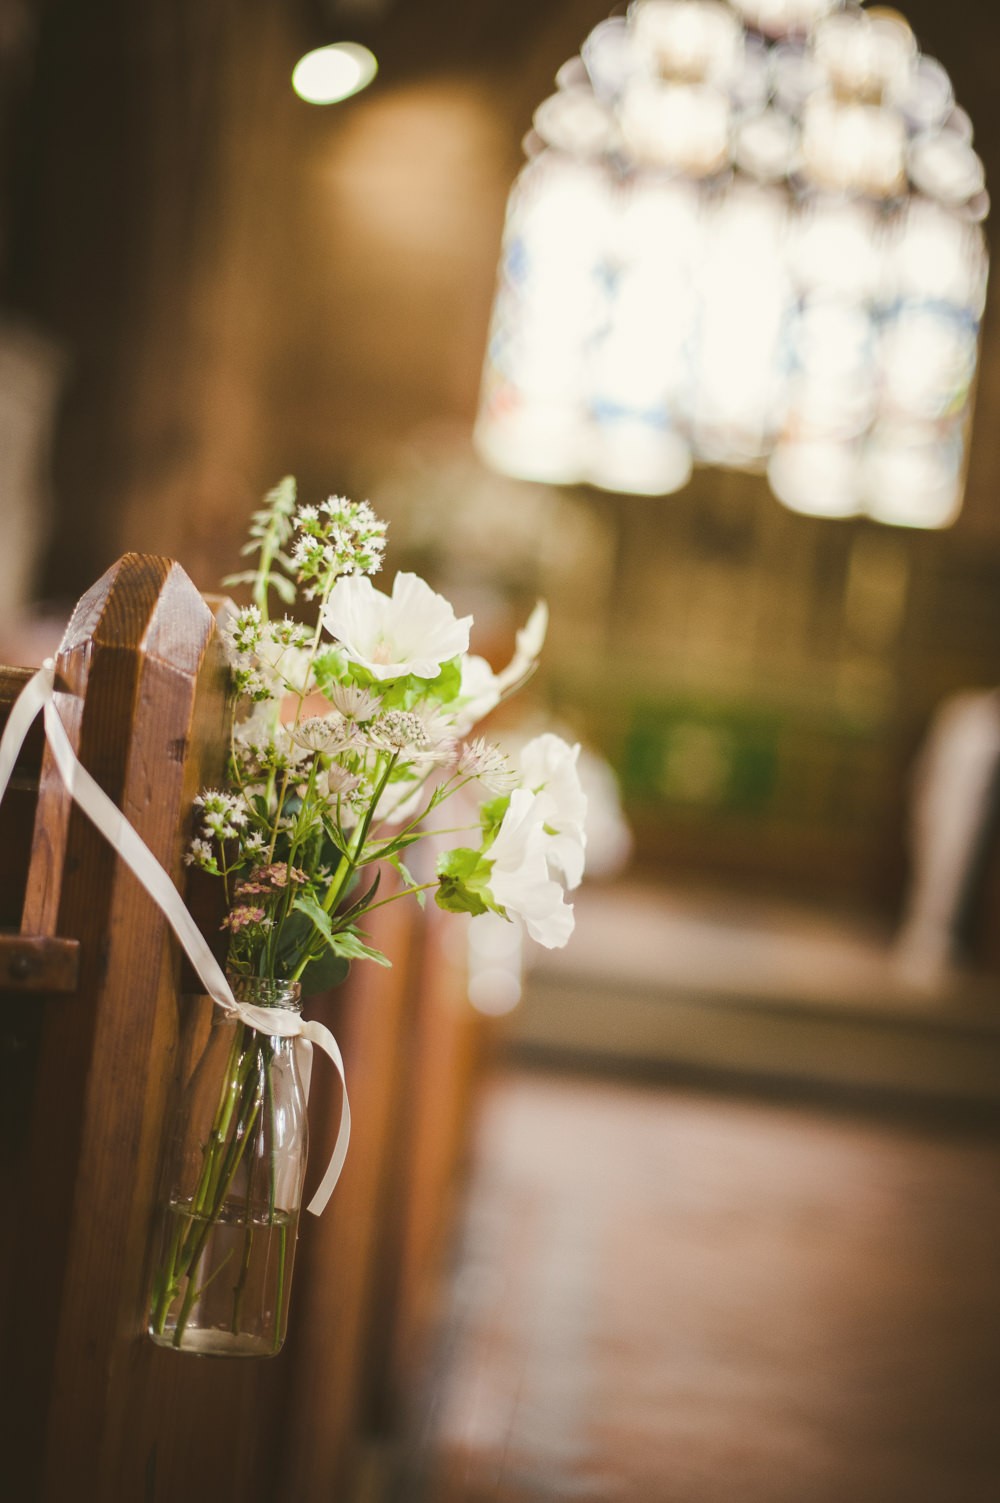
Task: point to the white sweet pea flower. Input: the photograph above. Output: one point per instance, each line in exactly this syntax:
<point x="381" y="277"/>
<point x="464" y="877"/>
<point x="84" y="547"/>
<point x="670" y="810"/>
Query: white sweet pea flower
<point x="519" y="878"/>
<point x="548" y="768"/>
<point x="412" y="631"/>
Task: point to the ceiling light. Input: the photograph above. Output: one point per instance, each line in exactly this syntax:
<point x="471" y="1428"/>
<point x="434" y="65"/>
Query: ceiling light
<point x="329" y="74"/>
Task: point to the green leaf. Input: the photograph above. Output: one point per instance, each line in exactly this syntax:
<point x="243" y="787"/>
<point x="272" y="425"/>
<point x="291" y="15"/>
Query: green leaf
<point x="388" y="849"/>
<point x="329" y="667"/>
<point x="324" y="973"/>
<point x="344" y="942"/>
<point x="362" y="903"/>
<point x="463" y="882"/>
<point x="305" y="903"/>
<point x="491" y="816"/>
<point x="334" y="845"/>
<point x="349" y="944"/>
<point x="446" y="686"/>
<point x="406" y="877"/>
<point x="454" y="898"/>
<point x="284" y="587"/>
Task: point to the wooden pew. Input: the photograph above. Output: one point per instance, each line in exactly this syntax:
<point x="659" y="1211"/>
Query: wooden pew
<point x="91" y="1008"/>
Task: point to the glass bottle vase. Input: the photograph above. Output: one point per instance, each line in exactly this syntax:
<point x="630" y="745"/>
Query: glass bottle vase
<point x="232" y="1191"/>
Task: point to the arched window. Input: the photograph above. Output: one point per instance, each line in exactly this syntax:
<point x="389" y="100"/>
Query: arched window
<point x="747" y="234"/>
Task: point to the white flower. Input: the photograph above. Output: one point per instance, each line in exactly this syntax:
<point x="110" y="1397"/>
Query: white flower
<point x="199" y="853"/>
<point x="481" y="759"/>
<point x="354" y="703"/>
<point x="396" y="730"/>
<point x="438" y="742"/>
<point x="337" y="782"/>
<point x="241" y="632"/>
<point x="548" y="769"/>
<point x="286" y="749"/>
<point x="223" y="814"/>
<point x="519" y="878"/>
<point x="323" y="733"/>
<point x="412" y="631"/>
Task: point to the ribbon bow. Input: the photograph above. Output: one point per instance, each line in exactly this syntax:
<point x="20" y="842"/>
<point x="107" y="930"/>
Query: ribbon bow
<point x="38" y="696"/>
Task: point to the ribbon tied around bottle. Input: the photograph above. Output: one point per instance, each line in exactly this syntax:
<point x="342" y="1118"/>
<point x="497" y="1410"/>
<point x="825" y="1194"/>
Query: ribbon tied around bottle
<point x="38" y="697"/>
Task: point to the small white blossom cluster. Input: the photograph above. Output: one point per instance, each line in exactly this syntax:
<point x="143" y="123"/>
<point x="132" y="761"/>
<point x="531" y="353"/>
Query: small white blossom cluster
<point x="339" y="537"/>
<point x="355" y="732"/>
<point x="223" y="815"/>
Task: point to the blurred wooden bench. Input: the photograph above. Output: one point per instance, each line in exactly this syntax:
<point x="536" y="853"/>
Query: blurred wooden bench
<point x="90" y="1014"/>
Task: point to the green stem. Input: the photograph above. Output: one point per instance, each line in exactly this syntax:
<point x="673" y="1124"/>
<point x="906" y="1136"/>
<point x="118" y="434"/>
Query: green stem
<point x="404" y="892"/>
<point x="279" y="1302"/>
<point x="177" y="1261"/>
<point x="209" y="1223"/>
<point x="357" y="845"/>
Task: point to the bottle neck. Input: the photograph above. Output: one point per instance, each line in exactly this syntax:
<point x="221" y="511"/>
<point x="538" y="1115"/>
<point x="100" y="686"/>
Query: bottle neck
<point x="265" y="991"/>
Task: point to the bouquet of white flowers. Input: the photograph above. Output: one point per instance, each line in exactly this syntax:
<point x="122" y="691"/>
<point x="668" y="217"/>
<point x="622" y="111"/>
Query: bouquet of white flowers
<point x="355" y="733"/>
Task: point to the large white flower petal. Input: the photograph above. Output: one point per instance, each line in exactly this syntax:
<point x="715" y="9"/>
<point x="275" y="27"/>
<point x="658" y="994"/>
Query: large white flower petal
<point x="548" y="767"/>
<point x="410" y="632"/>
<point x="519" y="877"/>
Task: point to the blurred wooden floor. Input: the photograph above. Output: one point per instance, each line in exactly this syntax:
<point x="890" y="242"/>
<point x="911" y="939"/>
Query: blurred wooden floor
<point x="665" y="1296"/>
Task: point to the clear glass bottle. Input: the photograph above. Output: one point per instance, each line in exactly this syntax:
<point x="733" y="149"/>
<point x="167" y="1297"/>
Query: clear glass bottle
<point x="233" y="1188"/>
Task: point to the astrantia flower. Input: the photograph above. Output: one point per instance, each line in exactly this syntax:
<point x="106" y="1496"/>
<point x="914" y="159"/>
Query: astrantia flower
<point x="488" y="763"/>
<point x="410" y="632"/>
<point x="519" y="879"/>
<point x="396" y="730"/>
<point x="354" y="703"/>
<point x="548" y="769"/>
<point x="438" y="741"/>
<point x="337" y="782"/>
<point x="323" y="733"/>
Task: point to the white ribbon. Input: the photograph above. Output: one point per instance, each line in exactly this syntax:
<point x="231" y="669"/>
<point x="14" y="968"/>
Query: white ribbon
<point x="38" y="695"/>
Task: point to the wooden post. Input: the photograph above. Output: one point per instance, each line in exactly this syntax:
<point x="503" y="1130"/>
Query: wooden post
<point x="144" y="703"/>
